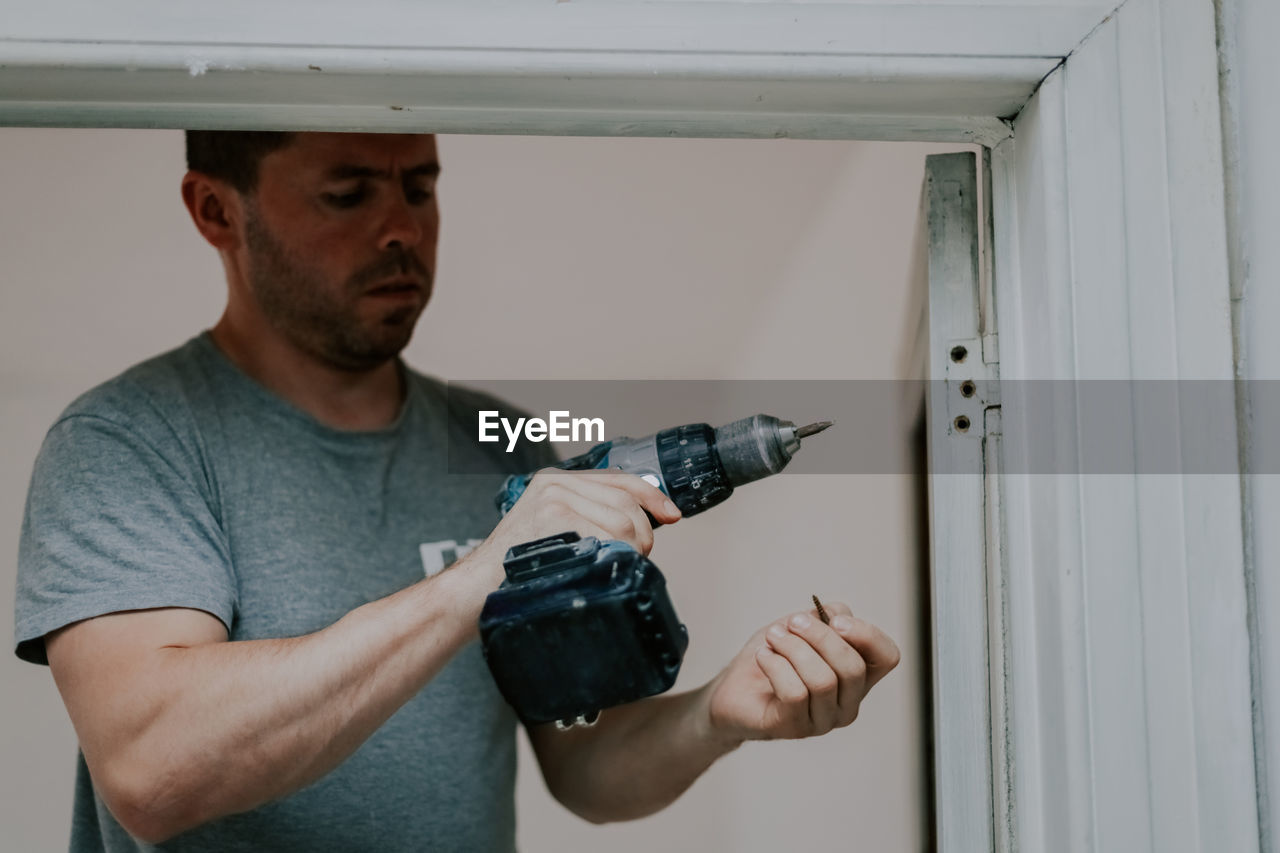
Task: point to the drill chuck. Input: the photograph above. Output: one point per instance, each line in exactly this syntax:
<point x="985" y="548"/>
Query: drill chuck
<point x="755" y="447"/>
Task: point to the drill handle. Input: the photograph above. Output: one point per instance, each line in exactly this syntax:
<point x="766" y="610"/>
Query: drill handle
<point x="514" y="486"/>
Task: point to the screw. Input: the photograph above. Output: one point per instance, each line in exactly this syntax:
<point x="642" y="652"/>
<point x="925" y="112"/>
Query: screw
<point x="962" y="423"/>
<point x="958" y="354"/>
<point x="822" y="611"/>
<point x="967" y="388"/>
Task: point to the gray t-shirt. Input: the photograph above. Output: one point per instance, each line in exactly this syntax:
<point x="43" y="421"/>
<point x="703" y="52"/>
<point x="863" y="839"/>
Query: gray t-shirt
<point x="184" y="483"/>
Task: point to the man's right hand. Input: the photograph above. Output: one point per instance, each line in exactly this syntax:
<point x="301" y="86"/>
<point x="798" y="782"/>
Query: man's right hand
<point x="605" y="504"/>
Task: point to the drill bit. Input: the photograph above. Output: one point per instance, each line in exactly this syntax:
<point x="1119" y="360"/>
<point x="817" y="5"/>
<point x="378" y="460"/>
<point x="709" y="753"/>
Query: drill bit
<point x="812" y="429"/>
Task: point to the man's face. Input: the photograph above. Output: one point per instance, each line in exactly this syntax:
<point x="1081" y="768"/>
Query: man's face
<point x="340" y="238"/>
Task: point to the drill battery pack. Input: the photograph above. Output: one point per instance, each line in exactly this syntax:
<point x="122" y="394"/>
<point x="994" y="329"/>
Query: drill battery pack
<point x="578" y="626"/>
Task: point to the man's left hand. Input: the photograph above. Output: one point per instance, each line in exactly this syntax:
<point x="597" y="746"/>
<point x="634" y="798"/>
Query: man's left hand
<point x="799" y="677"/>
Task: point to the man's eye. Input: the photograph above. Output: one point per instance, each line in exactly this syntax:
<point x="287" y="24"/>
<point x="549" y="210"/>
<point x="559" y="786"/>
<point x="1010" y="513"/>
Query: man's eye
<point x="418" y="195"/>
<point x="344" y="200"/>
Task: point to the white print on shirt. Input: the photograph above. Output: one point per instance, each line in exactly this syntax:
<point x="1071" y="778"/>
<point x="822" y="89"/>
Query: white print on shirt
<point x="438" y="556"/>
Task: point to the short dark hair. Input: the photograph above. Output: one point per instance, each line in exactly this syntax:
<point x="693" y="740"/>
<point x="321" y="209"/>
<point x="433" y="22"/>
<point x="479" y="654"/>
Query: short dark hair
<point x="233" y="155"/>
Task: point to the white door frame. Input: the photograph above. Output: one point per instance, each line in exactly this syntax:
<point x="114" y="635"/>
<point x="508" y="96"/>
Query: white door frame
<point x="1126" y="658"/>
<point x="965" y="519"/>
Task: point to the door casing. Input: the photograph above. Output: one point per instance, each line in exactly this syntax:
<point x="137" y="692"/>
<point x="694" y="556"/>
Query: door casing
<point x="1129" y="722"/>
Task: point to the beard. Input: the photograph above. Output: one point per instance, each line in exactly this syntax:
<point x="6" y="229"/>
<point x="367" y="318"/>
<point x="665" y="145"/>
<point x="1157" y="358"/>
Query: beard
<point x="300" y="302"/>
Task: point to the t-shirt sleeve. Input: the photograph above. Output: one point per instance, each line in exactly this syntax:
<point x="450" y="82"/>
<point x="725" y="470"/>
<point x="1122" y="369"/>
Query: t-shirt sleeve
<point x="115" y="521"/>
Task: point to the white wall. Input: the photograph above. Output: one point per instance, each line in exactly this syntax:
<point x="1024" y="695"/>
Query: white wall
<point x="793" y="260"/>
<point x="1250" y="30"/>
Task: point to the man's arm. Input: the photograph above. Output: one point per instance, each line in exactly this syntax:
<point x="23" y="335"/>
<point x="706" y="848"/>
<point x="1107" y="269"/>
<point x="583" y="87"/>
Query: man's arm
<point x="789" y="681"/>
<point x="179" y="727"/>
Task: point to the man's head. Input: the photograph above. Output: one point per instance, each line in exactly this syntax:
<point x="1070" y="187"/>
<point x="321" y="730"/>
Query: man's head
<point x="329" y="239"/>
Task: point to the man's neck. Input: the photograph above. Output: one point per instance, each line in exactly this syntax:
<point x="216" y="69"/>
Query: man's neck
<point x="343" y="399"/>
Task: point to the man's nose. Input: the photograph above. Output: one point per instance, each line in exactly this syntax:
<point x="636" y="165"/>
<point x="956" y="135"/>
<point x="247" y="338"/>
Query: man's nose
<point x="400" y="226"/>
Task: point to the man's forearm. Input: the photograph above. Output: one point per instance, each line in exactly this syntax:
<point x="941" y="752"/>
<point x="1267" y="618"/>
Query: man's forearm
<point x="797" y="677"/>
<point x="226" y="726"/>
<point x="636" y="761"/>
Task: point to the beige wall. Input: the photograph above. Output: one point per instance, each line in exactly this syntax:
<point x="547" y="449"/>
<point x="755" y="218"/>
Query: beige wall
<point x="793" y="260"/>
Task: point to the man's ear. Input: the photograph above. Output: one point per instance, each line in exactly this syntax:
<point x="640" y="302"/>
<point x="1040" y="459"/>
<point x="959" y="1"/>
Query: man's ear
<point x="216" y="208"/>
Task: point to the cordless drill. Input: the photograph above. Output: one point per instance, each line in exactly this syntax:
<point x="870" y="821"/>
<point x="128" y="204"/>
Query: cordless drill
<point x="695" y="465"/>
<point x="581" y="625"/>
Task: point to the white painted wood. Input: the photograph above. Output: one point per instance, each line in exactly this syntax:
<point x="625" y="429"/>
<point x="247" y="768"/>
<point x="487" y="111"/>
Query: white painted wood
<point x="1124" y="589"/>
<point x="1048" y="735"/>
<point x="1004" y="814"/>
<point x="1110" y="588"/>
<point x="604" y="121"/>
<point x="618" y="94"/>
<point x="1248" y="31"/>
<point x="876" y="70"/>
<point x="1193" y="280"/>
<point x="1004" y="817"/>
<point x="977" y="28"/>
<point x="958" y="509"/>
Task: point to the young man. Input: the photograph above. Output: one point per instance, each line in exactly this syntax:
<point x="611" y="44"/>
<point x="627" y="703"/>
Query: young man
<point x="224" y="552"/>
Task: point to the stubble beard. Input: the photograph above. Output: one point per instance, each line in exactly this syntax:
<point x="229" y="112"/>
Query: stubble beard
<point x="298" y="302"/>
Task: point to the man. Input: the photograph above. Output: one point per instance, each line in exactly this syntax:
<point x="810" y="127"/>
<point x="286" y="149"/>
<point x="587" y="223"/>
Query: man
<point x="224" y="551"/>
